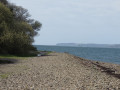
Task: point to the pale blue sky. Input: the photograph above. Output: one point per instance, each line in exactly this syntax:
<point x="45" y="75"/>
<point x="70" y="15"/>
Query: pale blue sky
<point x="75" y="21"/>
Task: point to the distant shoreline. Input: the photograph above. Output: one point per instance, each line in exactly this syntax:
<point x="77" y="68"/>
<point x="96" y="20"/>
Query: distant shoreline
<point x="77" y="46"/>
<point x="89" y="45"/>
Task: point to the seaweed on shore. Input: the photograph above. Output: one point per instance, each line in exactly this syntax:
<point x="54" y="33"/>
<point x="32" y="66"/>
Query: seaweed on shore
<point x="109" y="71"/>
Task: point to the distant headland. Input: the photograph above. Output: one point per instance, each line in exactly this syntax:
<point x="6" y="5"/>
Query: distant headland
<point x="89" y="45"/>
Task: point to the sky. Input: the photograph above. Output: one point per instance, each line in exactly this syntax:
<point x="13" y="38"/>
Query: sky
<point x="75" y="21"/>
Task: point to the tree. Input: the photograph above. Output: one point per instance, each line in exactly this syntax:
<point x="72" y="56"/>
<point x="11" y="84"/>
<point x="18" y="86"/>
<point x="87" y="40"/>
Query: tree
<point x="20" y="13"/>
<point x="4" y="1"/>
<point x="17" y="30"/>
<point x="6" y="17"/>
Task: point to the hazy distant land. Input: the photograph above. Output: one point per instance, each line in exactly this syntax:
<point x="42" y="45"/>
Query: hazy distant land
<point x="90" y="45"/>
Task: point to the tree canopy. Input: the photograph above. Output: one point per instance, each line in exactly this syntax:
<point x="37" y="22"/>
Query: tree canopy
<point x="17" y="30"/>
<point x="4" y="1"/>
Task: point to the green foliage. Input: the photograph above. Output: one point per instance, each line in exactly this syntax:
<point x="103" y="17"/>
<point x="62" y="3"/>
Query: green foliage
<point x="5" y="13"/>
<point x="5" y="17"/>
<point x="17" y="31"/>
<point x="4" y="1"/>
<point x="36" y="25"/>
<point x="13" y="57"/>
<point x="16" y="43"/>
<point x="20" y="13"/>
<point x="3" y="76"/>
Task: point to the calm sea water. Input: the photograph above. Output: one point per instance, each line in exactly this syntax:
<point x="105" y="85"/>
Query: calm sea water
<point x="111" y="55"/>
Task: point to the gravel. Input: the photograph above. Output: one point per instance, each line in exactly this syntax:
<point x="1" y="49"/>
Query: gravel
<point x="59" y="71"/>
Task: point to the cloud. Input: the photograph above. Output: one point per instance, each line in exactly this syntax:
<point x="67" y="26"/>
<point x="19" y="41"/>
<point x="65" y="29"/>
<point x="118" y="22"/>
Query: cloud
<point x="72" y="8"/>
<point x="75" y="18"/>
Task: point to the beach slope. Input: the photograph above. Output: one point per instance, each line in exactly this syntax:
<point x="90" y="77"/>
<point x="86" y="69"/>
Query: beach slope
<point x="59" y="71"/>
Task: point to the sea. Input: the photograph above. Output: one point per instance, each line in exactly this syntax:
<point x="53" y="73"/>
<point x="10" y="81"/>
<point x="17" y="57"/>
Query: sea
<point x="110" y="55"/>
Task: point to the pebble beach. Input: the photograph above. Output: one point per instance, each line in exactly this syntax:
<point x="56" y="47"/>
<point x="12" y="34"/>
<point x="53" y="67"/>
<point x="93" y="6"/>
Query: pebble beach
<point x="59" y="71"/>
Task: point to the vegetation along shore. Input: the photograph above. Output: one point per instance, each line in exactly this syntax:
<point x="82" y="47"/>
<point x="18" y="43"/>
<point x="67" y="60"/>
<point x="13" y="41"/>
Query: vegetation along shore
<point x="17" y="30"/>
<point x="59" y="71"/>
